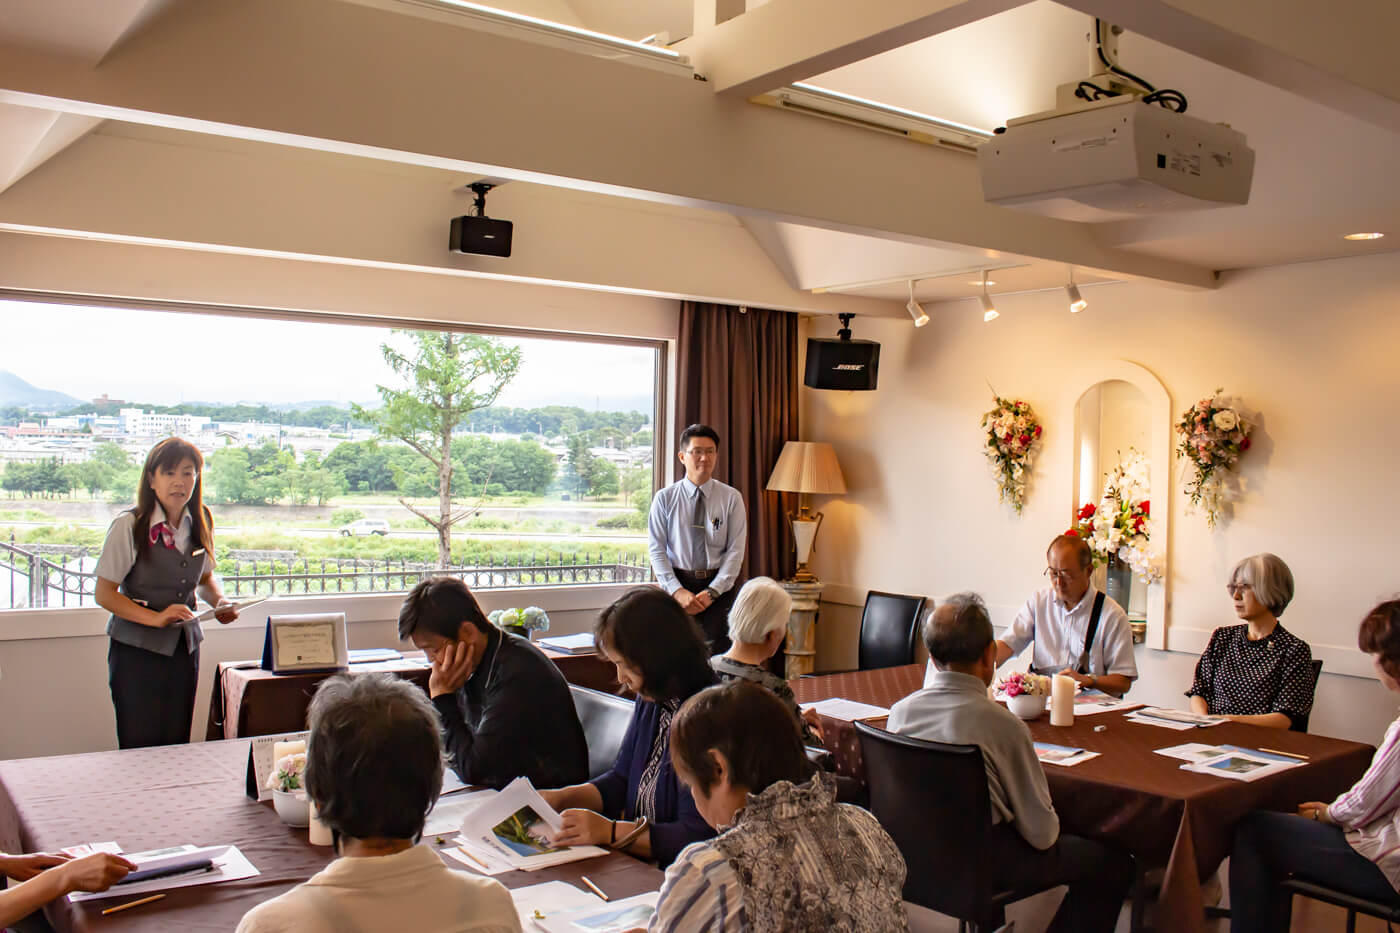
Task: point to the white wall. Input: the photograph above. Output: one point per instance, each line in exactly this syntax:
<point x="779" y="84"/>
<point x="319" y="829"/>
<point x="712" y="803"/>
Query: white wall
<point x="53" y="663"/>
<point x="1309" y="346"/>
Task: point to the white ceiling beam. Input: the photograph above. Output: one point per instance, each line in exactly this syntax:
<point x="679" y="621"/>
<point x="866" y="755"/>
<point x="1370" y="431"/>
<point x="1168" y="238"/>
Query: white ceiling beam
<point x="1340" y="53"/>
<point x="259" y="199"/>
<point x="348" y="78"/>
<point x="791" y="40"/>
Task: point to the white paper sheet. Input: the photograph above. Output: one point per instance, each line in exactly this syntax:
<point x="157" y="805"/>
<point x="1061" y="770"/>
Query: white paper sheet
<point x="612" y="917"/>
<point x="480" y="860"/>
<point x="849" y="710"/>
<point x="208" y="614"/>
<point x="1092" y="702"/>
<point x="1160" y="723"/>
<point x="1178" y="716"/>
<point x="229" y="865"/>
<point x="446" y="815"/>
<point x="1192" y="751"/>
<point x="542" y="901"/>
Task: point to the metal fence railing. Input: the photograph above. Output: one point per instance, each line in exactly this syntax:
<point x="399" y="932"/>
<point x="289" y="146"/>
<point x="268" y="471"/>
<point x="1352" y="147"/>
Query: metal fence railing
<point x="36" y="575"/>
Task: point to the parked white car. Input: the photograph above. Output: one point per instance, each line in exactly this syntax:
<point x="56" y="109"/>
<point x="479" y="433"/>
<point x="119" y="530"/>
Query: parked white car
<point x="365" y="527"/>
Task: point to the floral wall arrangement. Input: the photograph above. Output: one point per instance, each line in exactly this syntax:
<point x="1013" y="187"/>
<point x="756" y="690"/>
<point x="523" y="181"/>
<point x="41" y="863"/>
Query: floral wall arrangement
<point x="1013" y="434"/>
<point x="1213" y="436"/>
<point x="1119" y="527"/>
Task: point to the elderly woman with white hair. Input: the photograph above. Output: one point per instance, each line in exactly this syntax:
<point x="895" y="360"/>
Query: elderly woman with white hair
<point x="1258" y="672"/>
<point x="757" y="626"/>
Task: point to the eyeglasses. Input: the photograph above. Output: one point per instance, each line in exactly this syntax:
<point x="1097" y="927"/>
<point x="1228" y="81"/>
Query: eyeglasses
<point x="1054" y="574"/>
<point x="1235" y="589"/>
<point x="701" y="452"/>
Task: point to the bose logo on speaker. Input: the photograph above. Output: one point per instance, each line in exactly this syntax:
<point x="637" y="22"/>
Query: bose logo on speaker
<point x="849" y="367"/>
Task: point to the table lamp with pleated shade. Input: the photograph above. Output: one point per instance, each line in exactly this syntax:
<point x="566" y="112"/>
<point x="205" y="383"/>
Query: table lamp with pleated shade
<point x="806" y="468"/>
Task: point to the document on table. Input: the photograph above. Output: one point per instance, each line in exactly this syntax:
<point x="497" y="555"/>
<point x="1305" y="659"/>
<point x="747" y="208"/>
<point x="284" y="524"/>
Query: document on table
<point x="229" y="864"/>
<point x="1063" y="755"/>
<point x="542" y="901"/>
<point x="447" y="814"/>
<point x="209" y="613"/>
<point x="615" y="917"/>
<point x="1242" y="765"/>
<point x="1173" y="718"/>
<point x="849" y="710"/>
<point x="1193" y="751"/>
<point x="1090" y="702"/>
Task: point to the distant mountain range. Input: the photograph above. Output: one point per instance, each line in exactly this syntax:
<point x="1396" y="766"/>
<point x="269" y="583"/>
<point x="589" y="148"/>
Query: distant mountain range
<point x="14" y="391"/>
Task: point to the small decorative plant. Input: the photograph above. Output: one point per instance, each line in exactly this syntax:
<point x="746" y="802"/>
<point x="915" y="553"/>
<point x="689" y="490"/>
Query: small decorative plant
<point x="1018" y="684"/>
<point x="529" y="619"/>
<point x="287" y="776"/>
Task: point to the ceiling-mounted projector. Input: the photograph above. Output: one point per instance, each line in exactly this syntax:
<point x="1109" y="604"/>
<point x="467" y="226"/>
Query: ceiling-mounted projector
<point x="1113" y="159"/>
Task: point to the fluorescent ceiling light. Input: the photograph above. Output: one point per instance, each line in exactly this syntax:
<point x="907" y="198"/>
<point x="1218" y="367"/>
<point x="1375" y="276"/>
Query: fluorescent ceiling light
<point x="890" y="108"/>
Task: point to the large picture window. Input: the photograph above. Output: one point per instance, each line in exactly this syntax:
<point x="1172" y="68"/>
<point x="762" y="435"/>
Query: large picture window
<point x="338" y="457"/>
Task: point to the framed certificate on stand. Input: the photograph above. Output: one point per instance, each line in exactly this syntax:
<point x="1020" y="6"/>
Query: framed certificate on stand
<point x="313" y="642"/>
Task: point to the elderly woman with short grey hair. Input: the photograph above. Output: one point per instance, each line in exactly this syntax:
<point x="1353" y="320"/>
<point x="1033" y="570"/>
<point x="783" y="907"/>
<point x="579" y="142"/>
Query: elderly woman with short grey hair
<point x="374" y="770"/>
<point x="757" y="626"/>
<point x="1257" y="672"/>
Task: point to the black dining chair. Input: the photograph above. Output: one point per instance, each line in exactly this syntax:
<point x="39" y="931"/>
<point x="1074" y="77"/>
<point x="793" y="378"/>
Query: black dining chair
<point x="604" y="718"/>
<point x="934" y="802"/>
<point x="1353" y="905"/>
<point x="889" y="628"/>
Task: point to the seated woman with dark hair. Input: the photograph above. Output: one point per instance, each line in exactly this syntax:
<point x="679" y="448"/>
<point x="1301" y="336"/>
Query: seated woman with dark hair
<point x="639" y="806"/>
<point x="1258" y="672"/>
<point x="1351" y="845"/>
<point x="789" y="857"/>
<point x="374" y="770"/>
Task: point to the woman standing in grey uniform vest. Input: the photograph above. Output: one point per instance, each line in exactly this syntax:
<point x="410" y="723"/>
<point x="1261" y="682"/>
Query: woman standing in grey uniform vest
<point x="156" y="557"/>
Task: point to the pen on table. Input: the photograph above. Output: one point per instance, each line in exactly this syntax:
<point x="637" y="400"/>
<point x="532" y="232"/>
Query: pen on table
<point x="472" y="857"/>
<point x="130" y="904"/>
<point x="593" y="887"/>
<point x="1284" y="754"/>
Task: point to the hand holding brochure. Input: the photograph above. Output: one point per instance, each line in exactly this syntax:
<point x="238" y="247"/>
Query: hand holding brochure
<point x="210" y="613"/>
<point x="515" y="825"/>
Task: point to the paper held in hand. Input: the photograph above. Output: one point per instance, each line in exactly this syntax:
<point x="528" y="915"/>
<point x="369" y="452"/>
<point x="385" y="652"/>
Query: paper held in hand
<point x="216" y="863"/>
<point x="210" y="613"/>
<point x="515" y="825"/>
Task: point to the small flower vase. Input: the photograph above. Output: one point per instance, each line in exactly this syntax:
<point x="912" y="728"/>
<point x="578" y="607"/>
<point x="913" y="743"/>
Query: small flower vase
<point x="1119" y="577"/>
<point x="1026" y="706"/>
<point x="292" y="806"/>
<point x="520" y="630"/>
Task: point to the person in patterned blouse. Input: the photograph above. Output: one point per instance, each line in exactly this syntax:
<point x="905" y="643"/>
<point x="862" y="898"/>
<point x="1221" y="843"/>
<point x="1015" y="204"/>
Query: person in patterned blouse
<point x="757" y="626"/>
<point x="789" y="858"/>
<point x="1258" y="672"/>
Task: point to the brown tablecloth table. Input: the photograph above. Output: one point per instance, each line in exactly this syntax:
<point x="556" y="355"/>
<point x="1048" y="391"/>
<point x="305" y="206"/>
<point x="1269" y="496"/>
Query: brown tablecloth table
<point x="152" y="797"/>
<point x="1130" y="797"/>
<point x="247" y="700"/>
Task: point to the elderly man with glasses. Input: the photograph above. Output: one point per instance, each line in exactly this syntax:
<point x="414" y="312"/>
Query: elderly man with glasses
<point x="1077" y="631"/>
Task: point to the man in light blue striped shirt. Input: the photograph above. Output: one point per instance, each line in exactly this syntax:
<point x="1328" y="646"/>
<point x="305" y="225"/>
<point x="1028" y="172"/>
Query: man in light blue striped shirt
<point x="697" y="532"/>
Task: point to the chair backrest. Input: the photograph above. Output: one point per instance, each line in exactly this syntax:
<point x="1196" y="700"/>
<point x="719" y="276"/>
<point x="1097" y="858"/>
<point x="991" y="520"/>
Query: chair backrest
<point x="605" y="718"/>
<point x="934" y="802"/>
<point x="1302" y="724"/>
<point x="888" y="629"/>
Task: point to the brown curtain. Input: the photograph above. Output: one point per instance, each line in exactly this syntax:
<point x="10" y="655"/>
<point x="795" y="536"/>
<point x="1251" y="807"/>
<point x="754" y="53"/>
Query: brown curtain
<point x="738" y="374"/>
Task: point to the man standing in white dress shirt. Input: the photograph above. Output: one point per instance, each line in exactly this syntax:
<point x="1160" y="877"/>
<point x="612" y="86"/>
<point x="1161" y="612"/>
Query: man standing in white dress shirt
<point x="1077" y="631"/>
<point x="697" y="532"/>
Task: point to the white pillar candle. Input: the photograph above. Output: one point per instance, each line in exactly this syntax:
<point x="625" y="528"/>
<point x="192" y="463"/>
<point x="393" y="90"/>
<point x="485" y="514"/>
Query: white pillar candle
<point x="281" y="750"/>
<point x="319" y="833"/>
<point x="1062" y="701"/>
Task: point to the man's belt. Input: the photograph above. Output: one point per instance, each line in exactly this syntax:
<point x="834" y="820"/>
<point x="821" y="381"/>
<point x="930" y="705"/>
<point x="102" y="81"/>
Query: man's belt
<point x="700" y="574"/>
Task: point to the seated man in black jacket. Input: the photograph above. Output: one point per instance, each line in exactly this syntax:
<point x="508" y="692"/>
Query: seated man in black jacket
<point x="506" y="710"/>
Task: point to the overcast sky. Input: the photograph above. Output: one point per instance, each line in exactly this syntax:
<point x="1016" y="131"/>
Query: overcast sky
<point x="168" y="357"/>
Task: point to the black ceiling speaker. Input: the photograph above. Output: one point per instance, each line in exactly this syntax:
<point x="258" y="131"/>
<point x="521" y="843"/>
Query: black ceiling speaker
<point x="477" y="233"/>
<point x="842" y="363"/>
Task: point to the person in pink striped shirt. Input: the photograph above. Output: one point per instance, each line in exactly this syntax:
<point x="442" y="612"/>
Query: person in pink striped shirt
<point x="1351" y="844"/>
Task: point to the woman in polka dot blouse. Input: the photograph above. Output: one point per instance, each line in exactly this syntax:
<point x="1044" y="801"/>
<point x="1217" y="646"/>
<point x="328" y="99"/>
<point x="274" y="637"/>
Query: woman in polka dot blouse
<point x="1258" y="672"/>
